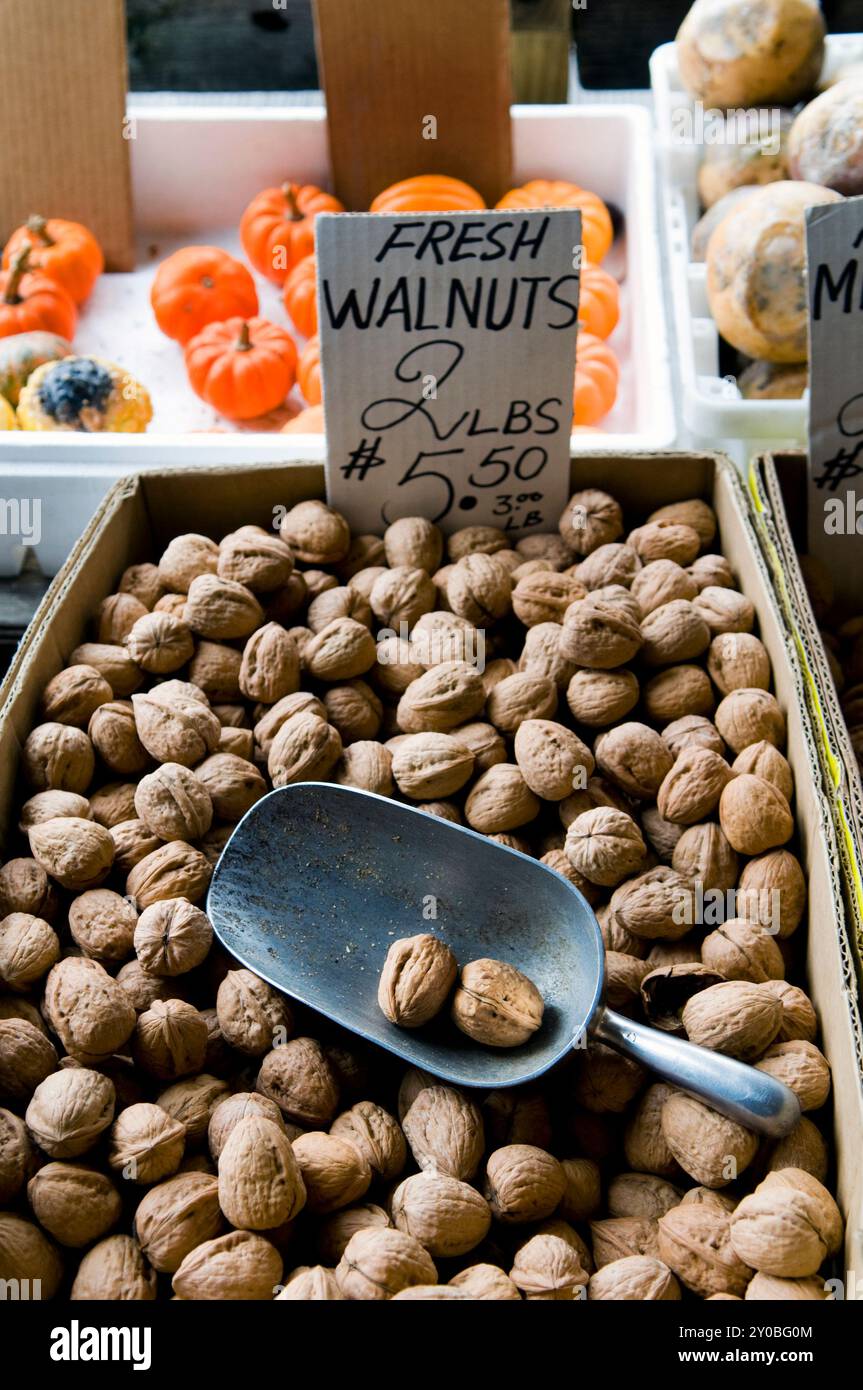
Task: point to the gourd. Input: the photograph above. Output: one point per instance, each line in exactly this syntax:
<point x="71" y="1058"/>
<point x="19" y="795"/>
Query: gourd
<point x="309" y="421"/>
<point x="277" y="229"/>
<point x="84" y="393"/>
<point x="597" y="372"/>
<point x="67" y="252"/>
<point x="597" y="232"/>
<point x="309" y="372"/>
<point x="301" y="296"/>
<point x="22" y="353"/>
<point x="242" y="367"/>
<point x="428" y="193"/>
<point x="598" y="300"/>
<point x="30" y="300"/>
<point x="199" y="285"/>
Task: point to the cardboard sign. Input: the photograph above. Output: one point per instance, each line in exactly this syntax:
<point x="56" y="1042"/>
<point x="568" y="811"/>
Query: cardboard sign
<point x="448" y="348"/>
<point x="834" y="234"/>
<point x="62" y="114"/>
<point x="414" y="87"/>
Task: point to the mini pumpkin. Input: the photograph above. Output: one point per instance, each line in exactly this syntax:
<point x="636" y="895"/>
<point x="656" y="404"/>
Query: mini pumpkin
<point x="22" y="353"/>
<point x="598" y="301"/>
<point x="301" y="296"/>
<point x="309" y="377"/>
<point x="67" y="252"/>
<point x="309" y="421"/>
<point x="597" y="372"/>
<point x="428" y="193"/>
<point x="597" y="232"/>
<point x="30" y="300"/>
<point x="200" y="285"/>
<point x="84" y="393"/>
<point x="242" y="367"/>
<point x="277" y="229"/>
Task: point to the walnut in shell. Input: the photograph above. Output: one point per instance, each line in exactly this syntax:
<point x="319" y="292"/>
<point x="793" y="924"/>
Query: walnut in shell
<point x="175" y="723"/>
<point x="787" y="1226"/>
<point x="146" y="1144"/>
<point x="253" y="1016"/>
<point x="710" y="1147"/>
<point x="298" y="1077"/>
<point x="604" y="845"/>
<point x="69" y="1110"/>
<point x="736" y="1017"/>
<point x="754" y="815"/>
<point x="378" y="1263"/>
<point x="496" y="1004"/>
<point x="260" y="1182"/>
<point x="523" y="1183"/>
<point x="418" y="974"/>
<point x="590" y="519"/>
<point x="448" y="1217"/>
<point x="552" y="758"/>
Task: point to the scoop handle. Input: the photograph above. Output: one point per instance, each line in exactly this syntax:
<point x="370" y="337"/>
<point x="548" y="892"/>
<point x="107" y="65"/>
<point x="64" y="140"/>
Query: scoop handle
<point x="747" y="1095"/>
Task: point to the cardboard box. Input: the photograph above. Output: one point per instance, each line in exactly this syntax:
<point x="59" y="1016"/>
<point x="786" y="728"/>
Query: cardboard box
<point x="142" y="513"/>
<point x="777" y="484"/>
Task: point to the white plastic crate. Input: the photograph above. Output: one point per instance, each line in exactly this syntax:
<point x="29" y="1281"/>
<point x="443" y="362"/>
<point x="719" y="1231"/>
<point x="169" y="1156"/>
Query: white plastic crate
<point x="194" y="169"/>
<point x="712" y="408"/>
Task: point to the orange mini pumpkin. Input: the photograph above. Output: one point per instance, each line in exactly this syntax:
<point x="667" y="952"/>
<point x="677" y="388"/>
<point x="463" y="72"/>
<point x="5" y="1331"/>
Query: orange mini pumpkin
<point x="278" y="227"/>
<point x="301" y="296"/>
<point x="309" y="371"/>
<point x="597" y="232"/>
<point x="598" y="300"/>
<point x="597" y="373"/>
<point x="242" y="367"/>
<point x="428" y="193"/>
<point x="30" y="301"/>
<point x="309" y="421"/>
<point x="66" y="252"/>
<point x="201" y="285"/>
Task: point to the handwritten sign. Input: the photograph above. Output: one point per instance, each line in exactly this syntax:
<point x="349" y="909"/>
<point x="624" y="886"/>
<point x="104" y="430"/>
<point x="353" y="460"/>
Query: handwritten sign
<point x="834" y="234"/>
<point x="448" y="349"/>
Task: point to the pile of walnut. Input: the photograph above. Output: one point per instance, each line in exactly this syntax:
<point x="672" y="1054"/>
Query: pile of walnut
<point x="172" y="1124"/>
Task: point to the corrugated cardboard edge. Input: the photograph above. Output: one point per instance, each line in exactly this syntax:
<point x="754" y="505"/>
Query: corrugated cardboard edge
<point x="836" y="755"/>
<point x="149" y="504"/>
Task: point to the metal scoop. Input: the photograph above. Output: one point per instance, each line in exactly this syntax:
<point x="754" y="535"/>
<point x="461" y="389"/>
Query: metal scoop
<point x="318" y="881"/>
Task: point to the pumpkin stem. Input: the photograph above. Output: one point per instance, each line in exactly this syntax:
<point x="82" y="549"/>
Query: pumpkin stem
<point x="39" y="227"/>
<point x="290" y="191"/>
<point x="20" y="264"/>
<point x="244" y="342"/>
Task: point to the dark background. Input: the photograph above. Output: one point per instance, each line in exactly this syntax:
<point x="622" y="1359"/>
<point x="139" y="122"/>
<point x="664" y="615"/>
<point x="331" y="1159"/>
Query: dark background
<point x="252" y="45"/>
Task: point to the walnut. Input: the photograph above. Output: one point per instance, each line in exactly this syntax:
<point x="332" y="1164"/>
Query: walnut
<point x="711" y="571"/>
<point x="221" y="609"/>
<point x="231" y="785"/>
<point x="256" y="558"/>
<point x="738" y="661"/>
<point x="17" y="1156"/>
<point x="486" y="1283"/>
<point x="133" y="841"/>
<point x="641" y="1195"/>
<point x="634" y="1278"/>
<point x="27" y="1257"/>
<point x="633" y="757"/>
<point x="185" y="558"/>
<point x="115" y="1269"/>
<point x="803" y="1147"/>
<point x="175" y="604"/>
<point x="787" y="1226"/>
<point x="113" y="803"/>
<point x="240" y="742"/>
<point x="58" y="757"/>
<point x="541" y="655"/>
<point x="657" y="903"/>
<point x="317" y="582"/>
<point x="762" y="759"/>
<point x="674" y="632"/>
<point x="215" y="669"/>
<point x="260" y="1179"/>
<point x="724" y="609"/>
<point x="517" y="1117"/>
<point x="604" y="845"/>
<point x="523" y="1183"/>
<point x="340" y="651"/>
<point x="271" y="721"/>
<point x="252" y="1015"/>
<point x="802" y="1067"/>
<point x="583" y="1189"/>
<point x="644" y="1143"/>
<point x="475" y="540"/>
<point x="69" y="1110"/>
<point x="799" y="1019"/>
<point x="677" y="692"/>
<point x="495" y="1004"/>
<point x="378" y="1263"/>
<point x="742" y="950"/>
<point x="160" y="643"/>
<point x="170" y="1039"/>
<point x="75" y="1205"/>
<point x="396" y="665"/>
<point x="590" y="519"/>
<point x="600" y="698"/>
<point x="28" y="949"/>
<point x="769" y="1288"/>
<point x="500" y="800"/>
<point x="240" y="1265"/>
<point x="418" y="974"/>
<point x="304" y="749"/>
<point x="116" y="617"/>
<point x="547" y="1268"/>
<point x="413" y="541"/>
<point x="192" y="1101"/>
<point x="605" y="1082"/>
<point x="146" y="1144"/>
<point x="445" y="1132"/>
<point x="26" y="1058"/>
<point x="737" y="1018"/>
<point x="551" y="758"/>
<point x="521" y="697"/>
<point x="544" y="597"/>
<point x="175" y="723"/>
<point x="661" y="582"/>
<point x="49" y="805"/>
<point x="666" y="539"/>
<point x="87" y="1009"/>
<point x="175" y="870"/>
<point x="711" y="1148"/>
<point x="315" y="533"/>
<point x="703" y="855"/>
<point x="609" y="565"/>
<point x="314" y="1284"/>
<point x="102" y="924"/>
<point x="270" y="666"/>
<point x="484" y="742"/>
<point x="748" y="715"/>
<point x="695" y="1243"/>
<point x="599" y="635"/>
<point x="691" y="789"/>
<point x="175" y="1216"/>
<point x="144" y="582"/>
<point x="620" y="1237"/>
<point x="692" y="731"/>
<point x="496" y="671"/>
<point x="173" y="803"/>
<point x="770" y="881"/>
<point x="660" y="834"/>
<point x="334" y="1171"/>
<point x="754" y="815"/>
<point x="448" y="1217"/>
<point x="367" y="765"/>
<point x="354" y="710"/>
<point x="376" y="1136"/>
<point x="229" y="1113"/>
<point x="114" y="736"/>
<point x="298" y="1077"/>
<point x="337" y="1230"/>
<point x="73" y="694"/>
<point x="401" y="596"/>
<point x="431" y="765"/>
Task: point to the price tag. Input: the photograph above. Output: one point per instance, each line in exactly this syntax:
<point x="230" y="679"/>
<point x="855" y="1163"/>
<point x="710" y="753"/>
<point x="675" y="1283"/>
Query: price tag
<point x="448" y="356"/>
<point x="834" y="234"/>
